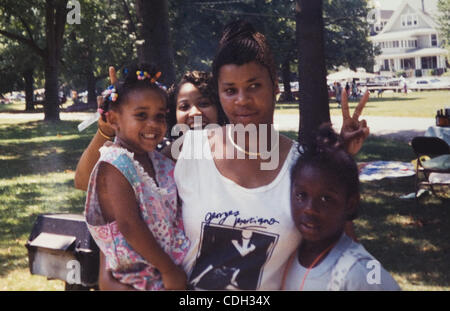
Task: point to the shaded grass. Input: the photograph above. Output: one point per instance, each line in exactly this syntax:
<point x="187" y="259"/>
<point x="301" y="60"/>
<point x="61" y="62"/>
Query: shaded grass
<point x="416" y="104"/>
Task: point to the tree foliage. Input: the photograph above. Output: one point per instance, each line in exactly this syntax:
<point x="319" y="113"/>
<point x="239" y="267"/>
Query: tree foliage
<point x="444" y="19"/>
<point x="39" y="25"/>
<point x="346" y="34"/>
<point x="104" y="38"/>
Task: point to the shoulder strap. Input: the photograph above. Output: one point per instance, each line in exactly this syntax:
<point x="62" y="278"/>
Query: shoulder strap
<point x="123" y="161"/>
<point x="350" y="256"/>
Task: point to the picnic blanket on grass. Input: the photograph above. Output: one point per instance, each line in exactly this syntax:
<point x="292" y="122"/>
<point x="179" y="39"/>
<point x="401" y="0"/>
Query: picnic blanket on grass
<point x="385" y="169"/>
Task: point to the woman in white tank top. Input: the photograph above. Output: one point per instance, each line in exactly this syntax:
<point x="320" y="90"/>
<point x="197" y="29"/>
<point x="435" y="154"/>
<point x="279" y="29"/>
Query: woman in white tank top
<point x="235" y="198"/>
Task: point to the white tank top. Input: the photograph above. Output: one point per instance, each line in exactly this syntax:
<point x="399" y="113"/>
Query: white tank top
<point x="240" y="238"/>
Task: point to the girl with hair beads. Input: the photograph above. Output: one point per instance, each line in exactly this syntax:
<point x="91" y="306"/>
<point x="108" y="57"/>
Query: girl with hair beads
<point x="131" y="206"/>
<point x="324" y="196"/>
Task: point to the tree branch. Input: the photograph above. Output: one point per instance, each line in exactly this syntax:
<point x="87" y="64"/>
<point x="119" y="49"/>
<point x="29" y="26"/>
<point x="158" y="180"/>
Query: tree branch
<point x="27" y="27"/>
<point x="21" y="39"/>
<point x="131" y="26"/>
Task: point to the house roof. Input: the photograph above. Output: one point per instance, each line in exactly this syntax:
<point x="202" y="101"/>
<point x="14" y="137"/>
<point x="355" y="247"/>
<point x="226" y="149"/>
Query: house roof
<point x="403" y="34"/>
<point x="414" y="53"/>
<point x="397" y="13"/>
<point x="386" y="14"/>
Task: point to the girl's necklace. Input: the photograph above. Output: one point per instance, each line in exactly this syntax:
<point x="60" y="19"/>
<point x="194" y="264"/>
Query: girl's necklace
<point x="239" y="148"/>
<point x="291" y="259"/>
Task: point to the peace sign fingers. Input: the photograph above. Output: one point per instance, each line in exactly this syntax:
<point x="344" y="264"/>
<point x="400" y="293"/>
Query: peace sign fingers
<point x="353" y="131"/>
<point x="362" y="103"/>
<point x="112" y="75"/>
<point x="344" y="106"/>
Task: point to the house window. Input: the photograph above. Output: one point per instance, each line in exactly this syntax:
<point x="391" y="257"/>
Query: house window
<point x="391" y="64"/>
<point x="433" y="40"/>
<point x="386" y="64"/>
<point x="408" y="63"/>
<point x="429" y="62"/>
<point x="395" y="44"/>
<point x="409" y="20"/>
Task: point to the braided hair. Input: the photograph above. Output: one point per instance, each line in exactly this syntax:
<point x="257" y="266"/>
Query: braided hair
<point x="326" y="152"/>
<point x="241" y="44"/>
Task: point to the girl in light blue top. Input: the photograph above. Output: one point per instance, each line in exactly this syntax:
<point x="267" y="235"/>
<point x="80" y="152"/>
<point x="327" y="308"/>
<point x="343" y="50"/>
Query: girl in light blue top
<point x="324" y="196"/>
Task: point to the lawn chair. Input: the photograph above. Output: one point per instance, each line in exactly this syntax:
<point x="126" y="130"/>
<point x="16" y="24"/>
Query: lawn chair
<point x="433" y="165"/>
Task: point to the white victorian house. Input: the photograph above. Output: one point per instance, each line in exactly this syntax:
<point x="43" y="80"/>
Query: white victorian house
<point x="410" y="43"/>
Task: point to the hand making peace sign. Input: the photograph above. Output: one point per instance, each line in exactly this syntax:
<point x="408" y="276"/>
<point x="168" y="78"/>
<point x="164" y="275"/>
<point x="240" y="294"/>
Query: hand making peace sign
<point x="353" y="131"/>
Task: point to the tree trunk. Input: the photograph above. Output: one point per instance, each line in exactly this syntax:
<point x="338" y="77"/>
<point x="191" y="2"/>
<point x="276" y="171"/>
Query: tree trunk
<point x="51" y="105"/>
<point x="314" y="108"/>
<point x="153" y="17"/>
<point x="286" y="73"/>
<point x="28" y="77"/>
<point x="55" y="19"/>
<point x="92" y="97"/>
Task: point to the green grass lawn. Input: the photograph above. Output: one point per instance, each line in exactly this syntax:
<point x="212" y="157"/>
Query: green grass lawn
<point x="416" y="104"/>
<point x="37" y="163"/>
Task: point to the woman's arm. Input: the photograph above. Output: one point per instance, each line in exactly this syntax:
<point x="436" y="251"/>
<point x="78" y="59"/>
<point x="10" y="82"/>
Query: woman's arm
<point x="88" y="160"/>
<point x="118" y="202"/>
<point x="91" y="154"/>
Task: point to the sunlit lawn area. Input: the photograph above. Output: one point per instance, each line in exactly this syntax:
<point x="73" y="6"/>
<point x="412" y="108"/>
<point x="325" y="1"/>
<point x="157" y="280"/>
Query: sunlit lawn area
<point x="415" y="104"/>
<point x="37" y="163"/>
<point x="38" y="159"/>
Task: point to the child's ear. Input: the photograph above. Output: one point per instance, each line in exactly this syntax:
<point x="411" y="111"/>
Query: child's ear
<point x="112" y="118"/>
<point x="352" y="206"/>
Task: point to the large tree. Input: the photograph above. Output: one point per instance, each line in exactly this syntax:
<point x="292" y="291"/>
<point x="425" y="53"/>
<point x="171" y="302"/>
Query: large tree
<point x="22" y="29"/>
<point x="154" y="37"/>
<point x="314" y="106"/>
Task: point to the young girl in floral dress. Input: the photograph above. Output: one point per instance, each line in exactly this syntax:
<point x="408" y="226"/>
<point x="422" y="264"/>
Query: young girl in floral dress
<point x="131" y="205"/>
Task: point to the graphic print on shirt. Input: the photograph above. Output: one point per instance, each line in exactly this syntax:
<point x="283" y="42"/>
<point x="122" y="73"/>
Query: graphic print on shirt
<point x="239" y="256"/>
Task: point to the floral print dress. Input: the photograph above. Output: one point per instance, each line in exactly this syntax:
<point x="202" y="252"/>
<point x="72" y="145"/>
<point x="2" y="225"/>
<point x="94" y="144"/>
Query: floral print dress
<point x="158" y="207"/>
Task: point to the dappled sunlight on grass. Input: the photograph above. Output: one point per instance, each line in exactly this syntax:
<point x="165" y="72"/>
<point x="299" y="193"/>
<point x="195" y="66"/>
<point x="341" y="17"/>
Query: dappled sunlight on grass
<point x="410" y="238"/>
<point x="23" y="199"/>
<point x="38" y="161"/>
